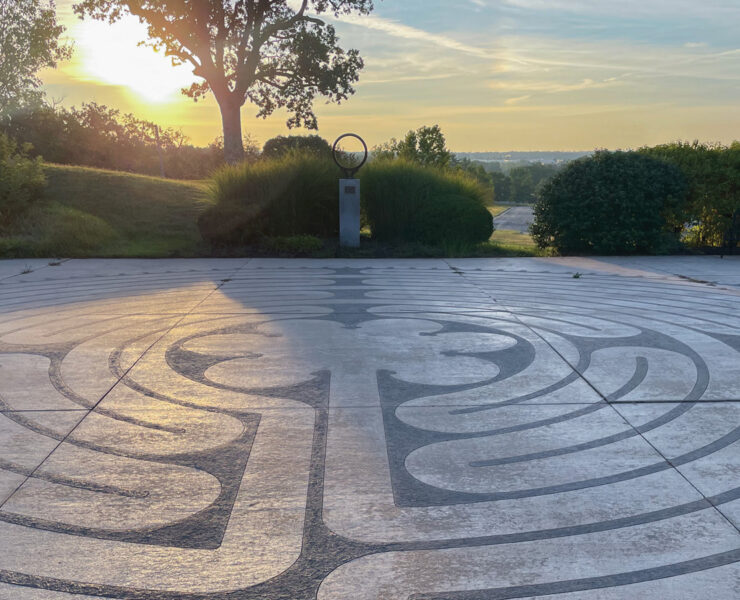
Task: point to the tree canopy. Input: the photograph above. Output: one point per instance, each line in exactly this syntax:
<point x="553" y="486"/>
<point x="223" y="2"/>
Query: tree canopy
<point x="276" y="54"/>
<point x="713" y="173"/>
<point x="425" y="146"/>
<point x="29" y="42"/>
<point x="282" y="145"/>
<point x="525" y="181"/>
<point x="22" y="180"/>
<point x="95" y="135"/>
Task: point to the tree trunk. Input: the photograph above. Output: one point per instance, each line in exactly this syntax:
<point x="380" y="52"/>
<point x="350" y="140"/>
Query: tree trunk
<point x="159" y="151"/>
<point x="232" y="121"/>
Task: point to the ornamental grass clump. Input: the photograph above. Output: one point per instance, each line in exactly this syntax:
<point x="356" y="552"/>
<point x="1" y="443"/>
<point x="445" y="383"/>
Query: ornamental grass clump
<point x="290" y="196"/>
<point x="407" y="202"/>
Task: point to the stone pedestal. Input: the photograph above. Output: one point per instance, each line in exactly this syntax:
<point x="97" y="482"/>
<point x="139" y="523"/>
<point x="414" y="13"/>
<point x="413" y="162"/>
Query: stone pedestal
<point x="349" y="213"/>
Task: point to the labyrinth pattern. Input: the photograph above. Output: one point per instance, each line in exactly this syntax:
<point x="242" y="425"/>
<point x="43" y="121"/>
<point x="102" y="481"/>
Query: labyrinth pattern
<point x="375" y="431"/>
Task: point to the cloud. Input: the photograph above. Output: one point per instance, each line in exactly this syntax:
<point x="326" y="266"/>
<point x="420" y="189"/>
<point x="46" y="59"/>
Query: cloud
<point x="552" y="87"/>
<point x="369" y="81"/>
<point x="600" y="59"/>
<point x="707" y="9"/>
<point x="533" y="54"/>
<point x="506" y="73"/>
<point x="517" y="100"/>
<point x="399" y="30"/>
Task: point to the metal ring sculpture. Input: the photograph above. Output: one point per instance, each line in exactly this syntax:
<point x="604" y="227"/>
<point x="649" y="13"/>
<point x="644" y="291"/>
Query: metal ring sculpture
<point x="349" y="171"/>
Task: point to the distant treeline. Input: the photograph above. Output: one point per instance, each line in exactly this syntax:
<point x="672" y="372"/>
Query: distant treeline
<point x="534" y="156"/>
<point x="518" y="185"/>
<point x="97" y="136"/>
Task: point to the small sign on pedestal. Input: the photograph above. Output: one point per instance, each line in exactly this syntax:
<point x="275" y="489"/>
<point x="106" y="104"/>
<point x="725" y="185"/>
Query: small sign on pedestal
<point x="349" y="192"/>
<point x="349" y="213"/>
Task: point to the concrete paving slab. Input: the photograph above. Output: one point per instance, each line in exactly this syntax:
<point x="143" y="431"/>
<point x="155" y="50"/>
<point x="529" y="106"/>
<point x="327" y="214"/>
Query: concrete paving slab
<point x="395" y="264"/>
<point x="18" y="592"/>
<point x="9" y="483"/>
<point x="660" y="548"/>
<point x="711" y="269"/>
<point x="125" y="267"/>
<point x="704" y="445"/>
<point x="15" y="267"/>
<point x="720" y="583"/>
<point x="714" y="269"/>
<point x="457" y="430"/>
<point x="153" y="297"/>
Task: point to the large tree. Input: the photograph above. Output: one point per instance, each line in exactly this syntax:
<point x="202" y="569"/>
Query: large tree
<point x="426" y="146"/>
<point x="272" y="53"/>
<point x="29" y="42"/>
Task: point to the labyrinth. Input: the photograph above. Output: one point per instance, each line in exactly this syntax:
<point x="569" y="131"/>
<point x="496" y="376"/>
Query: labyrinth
<point x="374" y="430"/>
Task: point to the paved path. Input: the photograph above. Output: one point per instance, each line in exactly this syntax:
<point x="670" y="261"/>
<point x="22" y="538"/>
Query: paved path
<point x="374" y="430"/>
<point x="517" y="218"/>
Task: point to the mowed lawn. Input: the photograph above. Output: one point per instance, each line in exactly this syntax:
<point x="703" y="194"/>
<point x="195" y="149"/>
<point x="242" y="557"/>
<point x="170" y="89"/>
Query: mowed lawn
<point x="94" y="212"/>
<point x="497" y="209"/>
<point x="513" y="241"/>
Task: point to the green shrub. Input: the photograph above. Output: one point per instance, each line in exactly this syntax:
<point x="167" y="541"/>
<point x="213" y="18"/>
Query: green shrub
<point x="280" y="146"/>
<point x="713" y="175"/>
<point x="301" y="245"/>
<point x="71" y="232"/>
<point x="97" y="136"/>
<point x="291" y="196"/>
<point x="407" y="202"/>
<point x="610" y="203"/>
<point x="526" y="180"/>
<point x="22" y="180"/>
<point x="51" y="229"/>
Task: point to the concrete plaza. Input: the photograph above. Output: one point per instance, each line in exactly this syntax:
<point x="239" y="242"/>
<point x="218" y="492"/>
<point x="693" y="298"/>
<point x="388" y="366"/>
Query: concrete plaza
<point x="473" y="429"/>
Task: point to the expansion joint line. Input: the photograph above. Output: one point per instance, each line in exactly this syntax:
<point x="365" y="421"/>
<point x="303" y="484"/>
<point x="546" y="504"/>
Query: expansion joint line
<point x="612" y="405"/>
<point x="26" y="272"/>
<point x="92" y="409"/>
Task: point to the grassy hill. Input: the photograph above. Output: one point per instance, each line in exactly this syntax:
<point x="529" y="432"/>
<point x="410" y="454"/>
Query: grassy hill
<point x="97" y="213"/>
<point x="93" y="212"/>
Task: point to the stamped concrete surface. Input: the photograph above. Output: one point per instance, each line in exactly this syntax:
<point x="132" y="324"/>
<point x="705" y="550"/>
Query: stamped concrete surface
<point x="377" y="430"/>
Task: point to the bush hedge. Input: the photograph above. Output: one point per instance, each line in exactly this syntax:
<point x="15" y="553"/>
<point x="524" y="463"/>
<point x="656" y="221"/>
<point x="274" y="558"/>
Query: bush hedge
<point x="280" y="146"/>
<point x="22" y="180"/>
<point x="407" y="202"/>
<point x="713" y="175"/>
<point x="612" y="202"/>
<point x="297" y="245"/>
<point x="291" y="196"/>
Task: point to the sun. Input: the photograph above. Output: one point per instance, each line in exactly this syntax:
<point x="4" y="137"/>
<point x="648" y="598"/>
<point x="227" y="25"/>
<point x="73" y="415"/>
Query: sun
<point x="110" y="54"/>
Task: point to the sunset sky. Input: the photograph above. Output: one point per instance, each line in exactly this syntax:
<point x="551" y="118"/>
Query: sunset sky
<point x="495" y="74"/>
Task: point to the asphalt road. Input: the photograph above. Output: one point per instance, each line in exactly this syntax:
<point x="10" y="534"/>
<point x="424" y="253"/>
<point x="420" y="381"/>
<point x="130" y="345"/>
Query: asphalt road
<point x="517" y="218"/>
